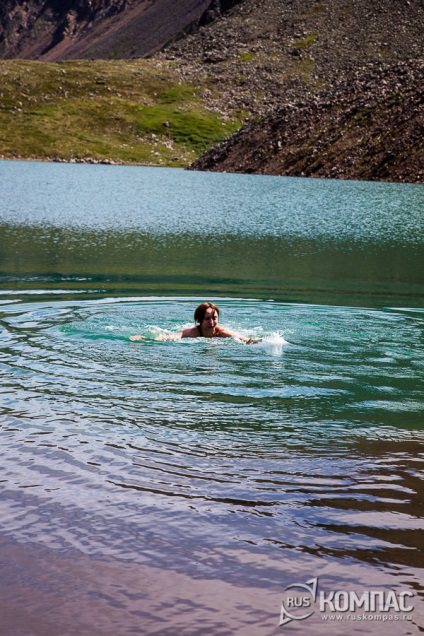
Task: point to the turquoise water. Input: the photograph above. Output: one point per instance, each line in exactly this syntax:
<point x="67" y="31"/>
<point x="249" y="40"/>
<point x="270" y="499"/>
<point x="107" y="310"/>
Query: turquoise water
<point x="180" y="487"/>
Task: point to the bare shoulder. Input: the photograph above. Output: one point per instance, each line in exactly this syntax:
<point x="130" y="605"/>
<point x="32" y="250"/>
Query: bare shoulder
<point x="222" y="332"/>
<point x="191" y="332"/>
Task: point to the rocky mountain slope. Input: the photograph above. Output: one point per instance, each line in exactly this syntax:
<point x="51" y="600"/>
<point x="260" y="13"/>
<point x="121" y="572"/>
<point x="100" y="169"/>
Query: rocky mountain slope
<point x="53" y="30"/>
<point x="370" y="126"/>
<point x="337" y="85"/>
<point x="265" y="53"/>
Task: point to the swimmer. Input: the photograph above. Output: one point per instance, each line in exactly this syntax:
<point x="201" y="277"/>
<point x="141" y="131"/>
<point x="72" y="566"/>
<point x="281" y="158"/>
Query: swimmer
<point x="206" y="317"/>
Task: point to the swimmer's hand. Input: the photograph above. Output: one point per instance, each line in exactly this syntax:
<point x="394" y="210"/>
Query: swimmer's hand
<point x="137" y="338"/>
<point x="252" y="340"/>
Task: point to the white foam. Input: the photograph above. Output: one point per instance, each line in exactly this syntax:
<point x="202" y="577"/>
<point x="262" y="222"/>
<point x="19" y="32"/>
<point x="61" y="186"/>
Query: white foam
<point x="274" y="343"/>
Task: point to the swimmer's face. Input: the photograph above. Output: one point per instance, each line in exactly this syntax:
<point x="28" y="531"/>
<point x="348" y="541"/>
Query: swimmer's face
<point x="210" y="319"/>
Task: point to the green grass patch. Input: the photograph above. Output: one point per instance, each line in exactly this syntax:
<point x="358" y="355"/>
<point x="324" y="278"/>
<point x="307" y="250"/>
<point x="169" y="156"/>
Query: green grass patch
<point x="306" y="42"/>
<point x="133" y="111"/>
<point x="191" y="127"/>
<point x="248" y="56"/>
<point x="177" y="94"/>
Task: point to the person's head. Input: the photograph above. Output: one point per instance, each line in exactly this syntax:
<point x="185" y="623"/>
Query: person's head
<point x="206" y="312"/>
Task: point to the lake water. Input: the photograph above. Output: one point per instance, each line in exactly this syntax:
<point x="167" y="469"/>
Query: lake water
<point x="180" y="487"/>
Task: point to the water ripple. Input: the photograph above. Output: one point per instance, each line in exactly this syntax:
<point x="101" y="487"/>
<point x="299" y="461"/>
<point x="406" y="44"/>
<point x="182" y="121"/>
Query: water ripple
<point x="310" y="442"/>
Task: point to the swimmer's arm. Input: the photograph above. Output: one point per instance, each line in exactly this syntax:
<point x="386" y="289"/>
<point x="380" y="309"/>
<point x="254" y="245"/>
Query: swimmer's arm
<point x="193" y="332"/>
<point x="226" y="333"/>
<point x="186" y="333"/>
<point x="161" y="338"/>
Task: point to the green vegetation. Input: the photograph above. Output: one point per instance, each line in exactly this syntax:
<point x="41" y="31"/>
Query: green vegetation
<point x="248" y="56"/>
<point x="306" y="42"/>
<point x="125" y="111"/>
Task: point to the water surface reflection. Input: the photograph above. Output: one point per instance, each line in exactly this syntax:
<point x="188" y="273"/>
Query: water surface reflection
<point x="179" y="487"/>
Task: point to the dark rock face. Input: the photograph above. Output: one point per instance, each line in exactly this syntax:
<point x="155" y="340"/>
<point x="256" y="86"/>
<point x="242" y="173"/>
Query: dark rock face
<point x="216" y="9"/>
<point x="51" y="21"/>
<point x="368" y="127"/>
<point x="54" y="30"/>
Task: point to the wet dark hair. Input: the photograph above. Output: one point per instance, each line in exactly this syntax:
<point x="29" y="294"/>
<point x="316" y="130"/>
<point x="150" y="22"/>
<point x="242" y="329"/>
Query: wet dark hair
<point x="200" y="311"/>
